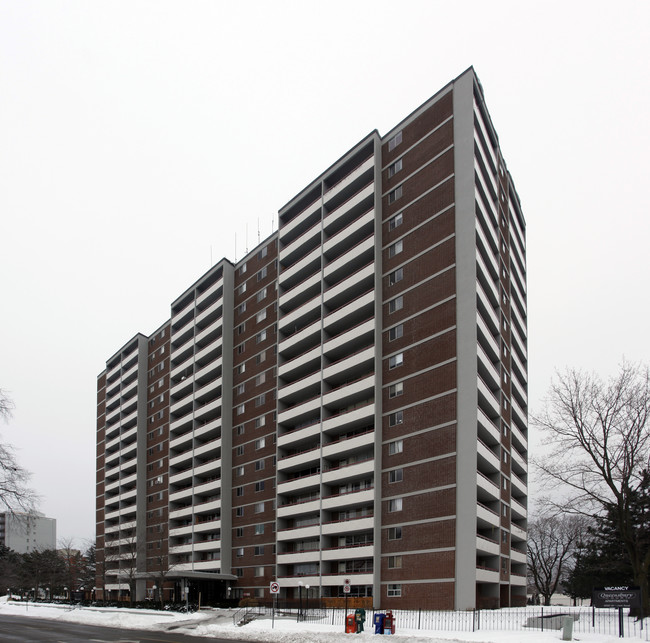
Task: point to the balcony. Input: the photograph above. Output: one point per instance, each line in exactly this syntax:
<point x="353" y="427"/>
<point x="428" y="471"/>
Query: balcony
<point x="298" y="508"/>
<point x="348" y="552"/>
<point x="350" y="419"/>
<point x="348" y="445"/>
<point x="487" y="546"/>
<point x="295" y="485"/>
<point x="336" y="218"/>
<point x="352" y="470"/>
<point x="350" y="499"/>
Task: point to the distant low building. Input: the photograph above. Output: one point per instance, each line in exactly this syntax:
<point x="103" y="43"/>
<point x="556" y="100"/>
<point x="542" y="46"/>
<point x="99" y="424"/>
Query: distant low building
<point x="24" y="533"/>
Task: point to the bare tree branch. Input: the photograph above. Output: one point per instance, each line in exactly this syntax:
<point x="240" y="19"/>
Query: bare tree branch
<point x="599" y="447"/>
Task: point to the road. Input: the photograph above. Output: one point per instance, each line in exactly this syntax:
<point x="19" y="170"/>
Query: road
<point x="35" y="630"/>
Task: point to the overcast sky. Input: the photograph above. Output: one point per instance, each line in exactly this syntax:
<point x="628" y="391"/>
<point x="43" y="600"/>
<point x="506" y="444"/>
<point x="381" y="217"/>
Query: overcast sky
<point x="140" y="139"/>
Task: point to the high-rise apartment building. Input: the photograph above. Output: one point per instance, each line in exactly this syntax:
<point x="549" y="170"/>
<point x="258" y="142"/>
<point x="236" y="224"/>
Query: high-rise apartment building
<point x="27" y="532"/>
<point x="347" y="403"/>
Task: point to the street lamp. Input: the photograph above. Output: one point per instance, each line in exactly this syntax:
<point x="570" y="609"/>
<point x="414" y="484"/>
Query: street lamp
<point x="300" y="603"/>
<point x="307" y="608"/>
<point x="154" y="588"/>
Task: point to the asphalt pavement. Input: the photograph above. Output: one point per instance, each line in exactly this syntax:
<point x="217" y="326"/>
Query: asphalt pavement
<point x="21" y="629"/>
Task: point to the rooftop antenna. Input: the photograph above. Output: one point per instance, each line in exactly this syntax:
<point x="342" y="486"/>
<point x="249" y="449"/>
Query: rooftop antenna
<point x="272" y="223"/>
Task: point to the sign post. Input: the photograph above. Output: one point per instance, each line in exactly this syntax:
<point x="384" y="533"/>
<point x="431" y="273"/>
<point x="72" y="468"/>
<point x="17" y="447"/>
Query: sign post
<point x="275" y="590"/>
<point x="619" y="596"/>
<point x="346" y="591"/>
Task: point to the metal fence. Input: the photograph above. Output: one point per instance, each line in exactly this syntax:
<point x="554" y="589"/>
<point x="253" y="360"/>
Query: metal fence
<point x="586" y="620"/>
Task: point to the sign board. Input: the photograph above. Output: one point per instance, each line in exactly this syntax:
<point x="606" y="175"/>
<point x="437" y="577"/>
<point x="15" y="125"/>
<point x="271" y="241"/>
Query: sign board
<point x="275" y="588"/>
<point x="617" y="596"/>
<point x="346" y="589"/>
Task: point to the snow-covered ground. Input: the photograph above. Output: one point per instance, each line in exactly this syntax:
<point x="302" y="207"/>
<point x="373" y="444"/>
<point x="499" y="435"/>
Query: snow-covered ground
<point x="219" y="623"/>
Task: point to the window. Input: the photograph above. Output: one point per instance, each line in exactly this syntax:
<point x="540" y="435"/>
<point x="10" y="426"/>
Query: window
<point x="396" y="475"/>
<point x="394" y="168"/>
<point x="259" y="571"/>
<point x="395" y="360"/>
<point x="240" y="349"/>
<point x="395" y="221"/>
<point x="241" y="368"/>
<point x="394" y="590"/>
<point x="259" y="550"/>
<point x="395" y="248"/>
<point x="260" y="337"/>
<point x="396" y="418"/>
<point x="395" y="194"/>
<point x="260" y="399"/>
<point x="242" y="307"/>
<point x="241" y="328"/>
<point x="395" y="389"/>
<point x="261" y="316"/>
<point x="242" y="269"/>
<point x="240" y="450"/>
<point x="239" y="512"/>
<point x="395" y="533"/>
<point x="239" y="491"/>
<point x="239" y="571"/>
<point x="259" y="507"/>
<point x="396" y="276"/>
<point x="396" y="332"/>
<point x="396" y="304"/>
<point x="395" y="505"/>
<point x="259" y="486"/>
<point x="260" y="358"/>
<point x="261" y="294"/>
<point x="240" y="389"/>
<point x="242" y="288"/>
<point x="260" y="443"/>
<point x="395" y="447"/>
<point x="259" y="530"/>
<point x="261" y="274"/>
<point x="241" y="408"/>
<point x="395" y="141"/>
<point x="239" y="471"/>
<point x="239" y="532"/>
<point x="259" y="465"/>
<point x="260" y="379"/>
<point x="240" y="552"/>
<point x="240" y="429"/>
<point x="394" y="562"/>
<point x="261" y="421"/>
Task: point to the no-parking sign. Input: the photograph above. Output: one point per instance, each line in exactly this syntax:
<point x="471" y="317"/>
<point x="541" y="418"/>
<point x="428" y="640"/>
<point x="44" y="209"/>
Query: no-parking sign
<point x="275" y="588"/>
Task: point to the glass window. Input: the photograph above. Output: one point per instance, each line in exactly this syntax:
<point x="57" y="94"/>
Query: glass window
<point x="395" y="141"/>
<point x="396" y="276"/>
<point x="395" y="447"/>
<point x="395" y="505"/>
<point x="395" y="194"/>
<point x="395" y="389"/>
<point x="395" y="249"/>
<point x="396" y="475"/>
<point x="396" y="360"/>
<point x="396" y="332"/>
<point x="396" y="418"/>
<point x="394" y="168"/>
<point x="396" y="304"/>
<point x="395" y="221"/>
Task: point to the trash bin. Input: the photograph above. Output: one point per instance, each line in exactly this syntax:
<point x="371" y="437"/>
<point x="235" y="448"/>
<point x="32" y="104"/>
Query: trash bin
<point x="379" y="623"/>
<point x="389" y="623"/>
<point x="360" y="618"/>
<point x="350" y="624"/>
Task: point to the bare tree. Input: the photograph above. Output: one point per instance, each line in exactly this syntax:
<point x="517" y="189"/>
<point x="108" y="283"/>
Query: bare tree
<point x="552" y="541"/>
<point x="6" y="405"/>
<point x="599" y="441"/>
<point x="15" y="495"/>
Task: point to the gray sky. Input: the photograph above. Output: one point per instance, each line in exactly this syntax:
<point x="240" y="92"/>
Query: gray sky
<point x="138" y="139"/>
